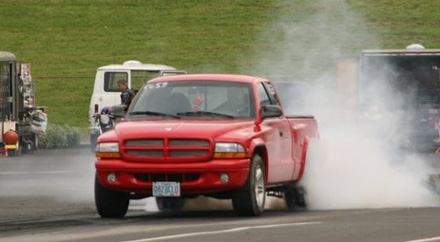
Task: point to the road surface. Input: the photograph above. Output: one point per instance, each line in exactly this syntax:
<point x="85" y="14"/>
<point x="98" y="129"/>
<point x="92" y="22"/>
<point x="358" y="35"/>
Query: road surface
<point x="48" y="196"/>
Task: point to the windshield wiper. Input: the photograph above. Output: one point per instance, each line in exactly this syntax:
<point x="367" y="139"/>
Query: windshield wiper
<point x="153" y="114"/>
<point x="205" y="113"/>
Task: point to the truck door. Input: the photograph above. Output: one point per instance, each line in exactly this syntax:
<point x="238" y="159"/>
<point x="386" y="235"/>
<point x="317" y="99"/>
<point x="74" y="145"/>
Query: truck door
<point x="279" y="139"/>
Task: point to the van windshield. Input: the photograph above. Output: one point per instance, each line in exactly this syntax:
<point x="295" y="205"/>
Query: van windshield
<point x="194" y="99"/>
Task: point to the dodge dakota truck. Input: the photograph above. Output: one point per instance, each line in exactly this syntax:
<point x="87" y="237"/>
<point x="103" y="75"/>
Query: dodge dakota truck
<point x="218" y="135"/>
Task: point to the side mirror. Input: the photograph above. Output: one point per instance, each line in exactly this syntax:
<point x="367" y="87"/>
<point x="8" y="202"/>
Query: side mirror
<point x="271" y="111"/>
<point x="118" y="111"/>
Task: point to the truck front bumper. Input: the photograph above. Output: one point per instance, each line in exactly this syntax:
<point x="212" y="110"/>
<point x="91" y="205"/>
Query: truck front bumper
<point x="195" y="178"/>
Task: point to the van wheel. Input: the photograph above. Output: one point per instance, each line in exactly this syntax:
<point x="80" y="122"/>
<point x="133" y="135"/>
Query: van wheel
<point x="249" y="200"/>
<point x="170" y="203"/>
<point x="295" y="197"/>
<point x="109" y="203"/>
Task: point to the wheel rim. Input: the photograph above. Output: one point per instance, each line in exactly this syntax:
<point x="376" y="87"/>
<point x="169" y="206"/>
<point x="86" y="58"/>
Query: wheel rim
<point x="259" y="186"/>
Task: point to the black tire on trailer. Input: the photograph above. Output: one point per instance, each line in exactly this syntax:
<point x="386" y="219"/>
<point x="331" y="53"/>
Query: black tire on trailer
<point x="295" y="197"/>
<point x="249" y="200"/>
<point x="109" y="203"/>
<point x="170" y="203"/>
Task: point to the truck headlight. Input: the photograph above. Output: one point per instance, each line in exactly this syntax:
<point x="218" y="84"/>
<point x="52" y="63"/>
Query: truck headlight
<point x="107" y="150"/>
<point x="229" y="150"/>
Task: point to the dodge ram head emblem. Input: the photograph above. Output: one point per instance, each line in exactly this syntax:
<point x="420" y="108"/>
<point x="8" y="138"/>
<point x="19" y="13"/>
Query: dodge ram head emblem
<point x="168" y="128"/>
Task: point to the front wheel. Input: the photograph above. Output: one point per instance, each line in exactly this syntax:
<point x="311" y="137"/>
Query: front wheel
<point x="109" y="203"/>
<point x="249" y="200"/>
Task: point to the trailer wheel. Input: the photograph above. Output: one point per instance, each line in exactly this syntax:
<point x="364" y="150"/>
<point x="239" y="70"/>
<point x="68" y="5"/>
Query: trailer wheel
<point x="295" y="197"/>
<point x="249" y="200"/>
<point x="170" y="203"/>
<point x="109" y="203"/>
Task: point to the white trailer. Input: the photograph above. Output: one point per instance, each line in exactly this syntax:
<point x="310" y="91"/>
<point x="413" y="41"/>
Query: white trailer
<point x="106" y="92"/>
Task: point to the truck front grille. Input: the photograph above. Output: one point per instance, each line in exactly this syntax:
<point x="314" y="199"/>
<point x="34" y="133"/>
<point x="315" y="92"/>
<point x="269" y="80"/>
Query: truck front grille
<point x="167" y="149"/>
<point x="146" y="153"/>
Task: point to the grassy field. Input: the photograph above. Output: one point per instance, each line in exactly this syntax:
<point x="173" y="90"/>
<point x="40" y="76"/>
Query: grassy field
<point x="66" y="40"/>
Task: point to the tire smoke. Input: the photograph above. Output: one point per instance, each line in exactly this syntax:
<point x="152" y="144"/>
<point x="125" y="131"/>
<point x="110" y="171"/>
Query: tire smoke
<point x="355" y="164"/>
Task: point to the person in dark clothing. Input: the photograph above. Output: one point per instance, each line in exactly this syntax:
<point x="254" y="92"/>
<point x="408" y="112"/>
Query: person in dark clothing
<point x="127" y="94"/>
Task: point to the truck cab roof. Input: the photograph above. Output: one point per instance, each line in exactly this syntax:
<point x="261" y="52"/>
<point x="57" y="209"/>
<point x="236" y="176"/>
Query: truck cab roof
<point x="136" y="65"/>
<point x="397" y="52"/>
<point x="210" y="77"/>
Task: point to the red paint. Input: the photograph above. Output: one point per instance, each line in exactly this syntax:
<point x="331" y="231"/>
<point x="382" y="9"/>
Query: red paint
<point x="283" y="139"/>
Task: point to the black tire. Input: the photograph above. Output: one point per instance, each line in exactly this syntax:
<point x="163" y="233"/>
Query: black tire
<point x="109" y="203"/>
<point x="11" y="152"/>
<point x="28" y="146"/>
<point x="249" y="200"/>
<point x="295" y="197"/>
<point x="24" y="146"/>
<point x="170" y="203"/>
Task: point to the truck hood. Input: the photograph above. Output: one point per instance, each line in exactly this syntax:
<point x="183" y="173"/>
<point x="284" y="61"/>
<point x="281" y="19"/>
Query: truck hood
<point x="203" y="128"/>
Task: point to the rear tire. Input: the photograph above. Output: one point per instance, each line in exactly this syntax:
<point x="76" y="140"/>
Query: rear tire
<point x="295" y="197"/>
<point x="249" y="200"/>
<point x="170" y="203"/>
<point x="109" y="203"/>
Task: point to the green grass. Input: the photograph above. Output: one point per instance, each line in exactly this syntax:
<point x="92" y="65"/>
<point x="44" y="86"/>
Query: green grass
<point x="66" y="40"/>
<point x="400" y="23"/>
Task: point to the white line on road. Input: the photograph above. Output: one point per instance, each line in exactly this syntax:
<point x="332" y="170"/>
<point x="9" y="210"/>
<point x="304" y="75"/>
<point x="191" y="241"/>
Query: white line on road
<point x="35" y="172"/>
<point x="425" y="240"/>
<point x="221" y="231"/>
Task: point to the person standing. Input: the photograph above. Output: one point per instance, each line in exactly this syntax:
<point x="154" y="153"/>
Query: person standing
<point x="127" y="94"/>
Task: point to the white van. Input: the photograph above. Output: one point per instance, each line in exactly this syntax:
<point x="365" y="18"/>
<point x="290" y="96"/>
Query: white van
<point x="106" y="92"/>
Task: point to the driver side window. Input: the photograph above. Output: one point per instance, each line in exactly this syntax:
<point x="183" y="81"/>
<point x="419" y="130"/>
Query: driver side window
<point x="262" y="95"/>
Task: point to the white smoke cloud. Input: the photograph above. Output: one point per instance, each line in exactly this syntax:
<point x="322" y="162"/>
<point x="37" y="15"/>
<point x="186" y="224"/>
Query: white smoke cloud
<point x="357" y="165"/>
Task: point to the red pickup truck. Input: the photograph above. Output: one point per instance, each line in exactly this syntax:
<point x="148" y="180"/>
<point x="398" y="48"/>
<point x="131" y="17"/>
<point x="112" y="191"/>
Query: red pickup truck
<point x="223" y="136"/>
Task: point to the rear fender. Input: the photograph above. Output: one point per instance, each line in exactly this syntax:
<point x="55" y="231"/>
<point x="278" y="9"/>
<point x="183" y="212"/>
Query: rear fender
<point x="303" y="158"/>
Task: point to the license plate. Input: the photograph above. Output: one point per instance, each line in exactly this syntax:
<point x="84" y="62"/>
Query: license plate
<point x="166" y="189"/>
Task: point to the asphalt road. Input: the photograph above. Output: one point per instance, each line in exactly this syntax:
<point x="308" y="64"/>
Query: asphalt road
<point x="48" y="196"/>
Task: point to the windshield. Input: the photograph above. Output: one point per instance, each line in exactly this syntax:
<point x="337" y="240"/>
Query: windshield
<point x="194" y="99"/>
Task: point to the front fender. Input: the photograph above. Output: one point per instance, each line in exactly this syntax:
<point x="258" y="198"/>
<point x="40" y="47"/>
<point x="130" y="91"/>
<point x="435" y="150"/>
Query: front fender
<point x="258" y="142"/>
